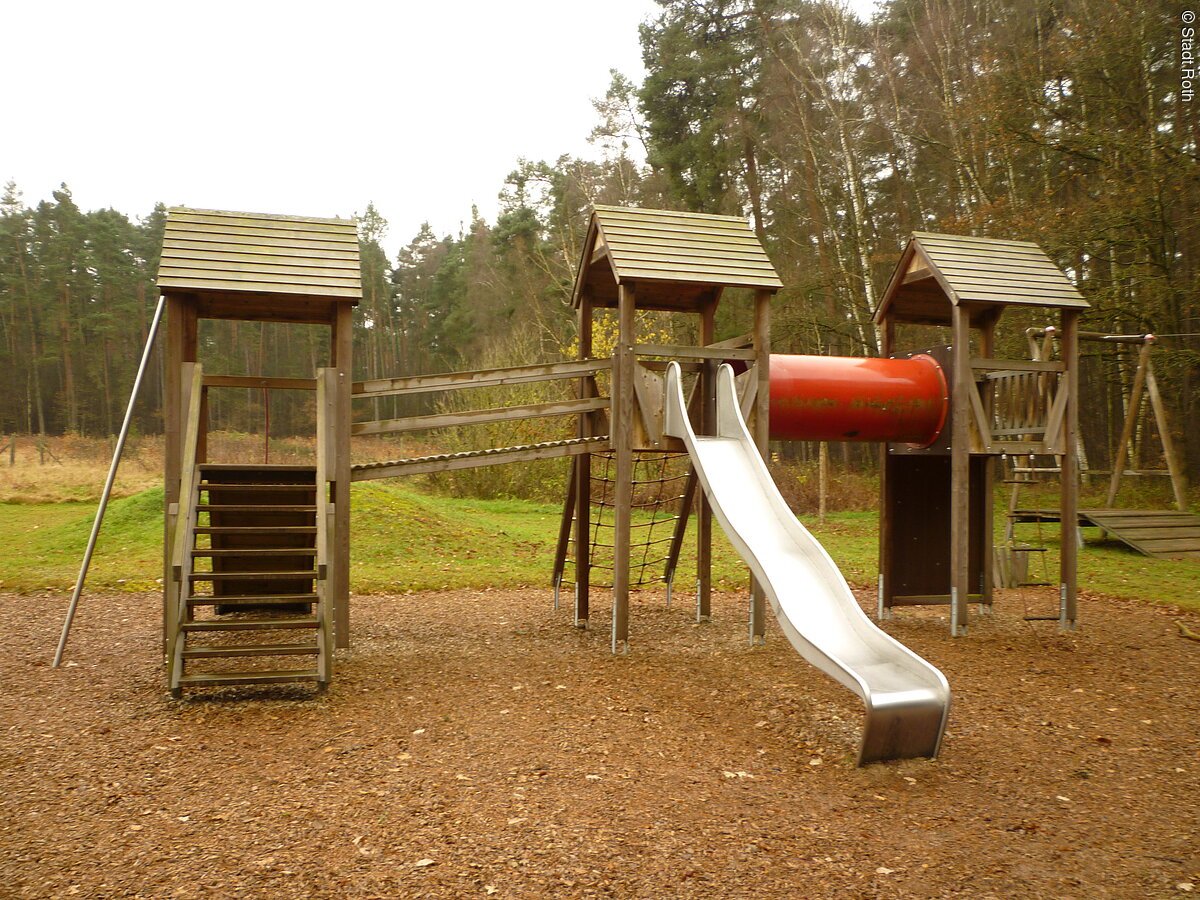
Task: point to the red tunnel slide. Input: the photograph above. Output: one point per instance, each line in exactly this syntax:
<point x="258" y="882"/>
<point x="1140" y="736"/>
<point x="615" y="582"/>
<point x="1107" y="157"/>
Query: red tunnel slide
<point x="842" y="398"/>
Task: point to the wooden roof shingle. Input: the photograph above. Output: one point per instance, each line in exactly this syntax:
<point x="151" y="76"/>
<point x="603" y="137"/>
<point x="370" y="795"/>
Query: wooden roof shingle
<point x="666" y="248"/>
<point x="207" y="250"/>
<point x="974" y="270"/>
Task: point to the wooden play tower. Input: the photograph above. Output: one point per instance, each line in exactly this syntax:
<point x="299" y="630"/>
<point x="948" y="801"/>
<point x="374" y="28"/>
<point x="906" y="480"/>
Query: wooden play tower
<point x="935" y="541"/>
<point x="256" y="569"/>
<point x="637" y="260"/>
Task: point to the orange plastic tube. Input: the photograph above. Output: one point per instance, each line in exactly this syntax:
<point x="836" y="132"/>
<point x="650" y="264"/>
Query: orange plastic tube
<point x="842" y="398"/>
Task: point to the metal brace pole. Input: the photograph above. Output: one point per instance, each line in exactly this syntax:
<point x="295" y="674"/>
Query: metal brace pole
<point x="108" y="484"/>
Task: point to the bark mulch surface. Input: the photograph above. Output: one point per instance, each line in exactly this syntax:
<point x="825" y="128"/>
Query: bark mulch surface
<point x="473" y="743"/>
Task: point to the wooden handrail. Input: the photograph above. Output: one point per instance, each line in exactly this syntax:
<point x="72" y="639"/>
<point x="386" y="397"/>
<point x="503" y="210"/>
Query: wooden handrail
<point x="187" y="475"/>
<point x="481" y="416"/>
<point x="448" y="381"/>
<point x="185" y="519"/>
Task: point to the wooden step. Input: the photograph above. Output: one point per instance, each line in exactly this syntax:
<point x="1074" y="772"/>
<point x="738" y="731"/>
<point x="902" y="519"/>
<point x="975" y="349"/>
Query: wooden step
<point x="255" y="486"/>
<point x="203" y="552"/>
<point x="279" y="676"/>
<point x="207" y="652"/>
<point x="250" y="600"/>
<point x="256" y="529"/>
<point x="258" y="467"/>
<point x="250" y="624"/>
<point x="254" y="508"/>
<point x="235" y="576"/>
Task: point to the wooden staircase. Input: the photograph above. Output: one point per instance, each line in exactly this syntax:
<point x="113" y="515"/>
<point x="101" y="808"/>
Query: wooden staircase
<point x="250" y="580"/>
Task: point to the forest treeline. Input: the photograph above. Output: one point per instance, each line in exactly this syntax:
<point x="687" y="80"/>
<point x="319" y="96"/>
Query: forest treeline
<point x="1057" y="121"/>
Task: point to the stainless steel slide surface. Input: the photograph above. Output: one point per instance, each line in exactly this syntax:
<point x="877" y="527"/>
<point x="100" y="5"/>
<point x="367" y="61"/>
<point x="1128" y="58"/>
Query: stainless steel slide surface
<point x="907" y="699"/>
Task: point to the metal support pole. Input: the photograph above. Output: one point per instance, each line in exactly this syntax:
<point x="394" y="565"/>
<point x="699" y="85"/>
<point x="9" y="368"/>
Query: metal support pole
<point x="108" y="484"/>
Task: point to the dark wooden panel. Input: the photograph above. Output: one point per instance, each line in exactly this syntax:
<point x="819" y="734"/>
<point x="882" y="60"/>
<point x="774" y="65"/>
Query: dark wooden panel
<point x="919" y="508"/>
<point x="919" y="511"/>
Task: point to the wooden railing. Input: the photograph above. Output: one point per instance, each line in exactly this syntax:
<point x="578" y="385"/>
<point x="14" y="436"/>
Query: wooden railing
<point x="590" y="403"/>
<point x="184" y="521"/>
<point x="448" y="381"/>
<point x="1018" y="406"/>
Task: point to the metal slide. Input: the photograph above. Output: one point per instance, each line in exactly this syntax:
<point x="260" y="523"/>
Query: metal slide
<point x="907" y="699"/>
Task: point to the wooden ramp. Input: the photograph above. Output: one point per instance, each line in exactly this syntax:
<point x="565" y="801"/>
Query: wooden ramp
<point x="1161" y="533"/>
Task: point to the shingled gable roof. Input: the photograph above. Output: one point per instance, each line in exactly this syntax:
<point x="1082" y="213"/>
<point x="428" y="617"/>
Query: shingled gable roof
<point x="937" y="271"/>
<point x="216" y="251"/>
<point x="673" y="257"/>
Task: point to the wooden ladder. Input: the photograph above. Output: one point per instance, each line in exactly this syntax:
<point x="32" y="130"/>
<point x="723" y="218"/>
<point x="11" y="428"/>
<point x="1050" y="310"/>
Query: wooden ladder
<point x="252" y="597"/>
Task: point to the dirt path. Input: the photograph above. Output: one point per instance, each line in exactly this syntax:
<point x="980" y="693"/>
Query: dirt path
<point x="473" y="743"/>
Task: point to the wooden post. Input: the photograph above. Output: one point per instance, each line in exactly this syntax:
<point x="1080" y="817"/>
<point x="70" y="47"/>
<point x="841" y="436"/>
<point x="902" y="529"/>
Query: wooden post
<point x="327" y="388"/>
<point x="678" y="532"/>
<point x="987" y="349"/>
<point x="1174" y="466"/>
<point x="707" y="393"/>
<point x="339" y="551"/>
<point x="623" y="413"/>
<point x="1069" y="495"/>
<point x="583" y="477"/>
<point x="886" y="349"/>
<point x="960" y="465"/>
<point x="1131" y="416"/>
<point x="822" y="479"/>
<point x="563" y="545"/>
<point x="172" y="441"/>
<point x="762" y="433"/>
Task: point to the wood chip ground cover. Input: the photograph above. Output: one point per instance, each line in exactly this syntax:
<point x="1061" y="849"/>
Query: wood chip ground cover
<point x="475" y="744"/>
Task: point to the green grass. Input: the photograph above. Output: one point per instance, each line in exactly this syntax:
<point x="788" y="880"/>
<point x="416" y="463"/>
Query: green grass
<point x="405" y="539"/>
<point x="44" y="543"/>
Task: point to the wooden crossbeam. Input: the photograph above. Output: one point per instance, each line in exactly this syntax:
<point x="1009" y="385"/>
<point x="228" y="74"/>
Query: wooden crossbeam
<point x="738" y="342"/>
<point x="255" y="381"/>
<point x="1054" y="419"/>
<point x="983" y="425"/>
<point x="1002" y="367"/>
<point x="674" y="351"/>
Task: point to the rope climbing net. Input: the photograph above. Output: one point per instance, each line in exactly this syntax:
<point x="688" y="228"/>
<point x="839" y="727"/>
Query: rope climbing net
<point x="659" y="481"/>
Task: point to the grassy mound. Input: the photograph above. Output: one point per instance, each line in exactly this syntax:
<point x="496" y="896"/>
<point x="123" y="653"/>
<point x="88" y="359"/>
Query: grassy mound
<point x="405" y="539"/>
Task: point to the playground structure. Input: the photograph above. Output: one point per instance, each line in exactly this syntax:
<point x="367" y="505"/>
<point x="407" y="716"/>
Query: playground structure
<point x="258" y="555"/>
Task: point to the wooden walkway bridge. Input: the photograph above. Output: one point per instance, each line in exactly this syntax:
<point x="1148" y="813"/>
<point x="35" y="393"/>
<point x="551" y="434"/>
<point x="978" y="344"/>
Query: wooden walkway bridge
<point x="1161" y="533"/>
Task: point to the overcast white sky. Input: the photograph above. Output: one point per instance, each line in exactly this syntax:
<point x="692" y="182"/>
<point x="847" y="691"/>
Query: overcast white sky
<point x="304" y="108"/>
